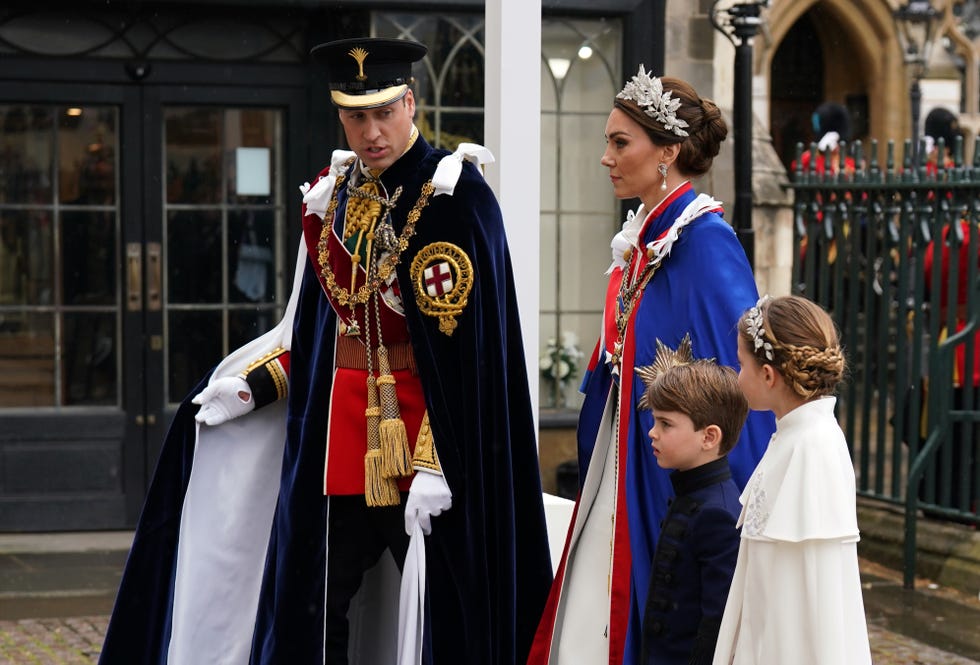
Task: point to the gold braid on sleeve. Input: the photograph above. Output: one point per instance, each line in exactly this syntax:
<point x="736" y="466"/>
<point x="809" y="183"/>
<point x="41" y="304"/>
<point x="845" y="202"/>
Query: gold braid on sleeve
<point x="267" y="378"/>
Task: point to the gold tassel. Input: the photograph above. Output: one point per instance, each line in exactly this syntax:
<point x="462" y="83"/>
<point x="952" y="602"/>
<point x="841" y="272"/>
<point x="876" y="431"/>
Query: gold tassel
<point x="379" y="490"/>
<point x="395" y="453"/>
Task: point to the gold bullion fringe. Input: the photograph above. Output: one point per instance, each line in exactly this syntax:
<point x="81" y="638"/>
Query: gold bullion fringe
<point x="379" y="490"/>
<point x="395" y="453"/>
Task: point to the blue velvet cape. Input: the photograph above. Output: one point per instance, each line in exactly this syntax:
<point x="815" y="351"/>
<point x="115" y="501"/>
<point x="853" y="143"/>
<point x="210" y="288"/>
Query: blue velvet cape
<point x="488" y="560"/>
<point x="702" y="288"/>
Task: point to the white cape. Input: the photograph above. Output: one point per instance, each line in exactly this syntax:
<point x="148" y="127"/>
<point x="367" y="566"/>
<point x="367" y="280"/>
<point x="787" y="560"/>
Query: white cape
<point x="796" y="593"/>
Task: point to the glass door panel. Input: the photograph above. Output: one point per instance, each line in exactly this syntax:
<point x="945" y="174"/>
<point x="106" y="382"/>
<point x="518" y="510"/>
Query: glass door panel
<point x="59" y="239"/>
<point x="140" y="242"/>
<point x="225" y="217"/>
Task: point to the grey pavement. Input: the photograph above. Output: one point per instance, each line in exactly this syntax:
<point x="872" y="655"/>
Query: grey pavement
<point x="56" y="593"/>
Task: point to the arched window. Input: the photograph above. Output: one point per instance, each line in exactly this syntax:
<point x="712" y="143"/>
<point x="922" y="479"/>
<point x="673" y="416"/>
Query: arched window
<point x="580" y="74"/>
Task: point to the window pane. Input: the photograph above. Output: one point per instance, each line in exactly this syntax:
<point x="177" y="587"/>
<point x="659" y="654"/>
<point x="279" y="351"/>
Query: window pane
<point x="27" y="359"/>
<point x="195" y="347"/>
<point x="463" y="82"/>
<point x="551" y="161"/>
<point x="40" y="258"/>
<point x="89" y="264"/>
<point x="193" y="149"/>
<point x="562" y="359"/>
<point x="251" y="256"/>
<point x="585" y="183"/>
<point x="547" y="389"/>
<point x="582" y="331"/>
<point x="90" y="359"/>
<point x="593" y="76"/>
<point x="250" y="143"/>
<point x="581" y="72"/>
<point x="194" y="248"/>
<point x="25" y="154"/>
<point x="221" y="261"/>
<point x="450" y="77"/>
<point x="459" y="128"/>
<point x="25" y="259"/>
<point x="87" y="155"/>
<point x="583" y="259"/>
<point x="247" y="324"/>
<point x="59" y="249"/>
<point x="550" y="83"/>
<point x="549" y="263"/>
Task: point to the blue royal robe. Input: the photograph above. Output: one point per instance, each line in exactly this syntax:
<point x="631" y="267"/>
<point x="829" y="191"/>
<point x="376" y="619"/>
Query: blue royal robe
<point x="701" y="288"/>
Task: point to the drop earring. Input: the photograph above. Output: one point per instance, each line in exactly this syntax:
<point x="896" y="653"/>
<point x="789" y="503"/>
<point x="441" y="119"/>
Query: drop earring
<point x="663" y="172"/>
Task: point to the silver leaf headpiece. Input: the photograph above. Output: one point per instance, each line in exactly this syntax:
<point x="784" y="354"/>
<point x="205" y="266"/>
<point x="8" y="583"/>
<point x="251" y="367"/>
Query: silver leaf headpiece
<point x="648" y="93"/>
<point x="757" y="328"/>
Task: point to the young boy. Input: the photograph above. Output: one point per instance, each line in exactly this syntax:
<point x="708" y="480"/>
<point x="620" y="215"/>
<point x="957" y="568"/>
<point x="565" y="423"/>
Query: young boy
<point x="698" y="414"/>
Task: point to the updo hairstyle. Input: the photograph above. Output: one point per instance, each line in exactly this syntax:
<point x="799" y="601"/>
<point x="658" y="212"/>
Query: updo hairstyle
<point x="803" y="341"/>
<point x="706" y="127"/>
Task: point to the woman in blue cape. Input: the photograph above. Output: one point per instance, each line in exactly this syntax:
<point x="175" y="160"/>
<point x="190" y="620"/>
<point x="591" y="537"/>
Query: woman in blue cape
<point x="677" y="269"/>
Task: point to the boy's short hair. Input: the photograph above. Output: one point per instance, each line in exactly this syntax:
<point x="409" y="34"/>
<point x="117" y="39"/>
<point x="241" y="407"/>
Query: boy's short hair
<point x="705" y="392"/>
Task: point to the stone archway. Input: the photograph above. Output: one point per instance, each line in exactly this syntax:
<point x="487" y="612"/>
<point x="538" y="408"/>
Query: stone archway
<point x="860" y="65"/>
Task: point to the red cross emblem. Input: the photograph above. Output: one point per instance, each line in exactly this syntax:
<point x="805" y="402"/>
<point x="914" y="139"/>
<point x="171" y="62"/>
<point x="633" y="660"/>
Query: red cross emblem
<point x="438" y="279"/>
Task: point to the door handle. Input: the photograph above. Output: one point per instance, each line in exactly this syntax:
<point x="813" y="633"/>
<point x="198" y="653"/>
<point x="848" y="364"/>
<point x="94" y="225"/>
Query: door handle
<point x="134" y="276"/>
<point x="153" y="276"/>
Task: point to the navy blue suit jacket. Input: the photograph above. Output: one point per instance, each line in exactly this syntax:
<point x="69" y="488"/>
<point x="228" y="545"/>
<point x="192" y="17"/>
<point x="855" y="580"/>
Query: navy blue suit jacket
<point x="692" y="567"/>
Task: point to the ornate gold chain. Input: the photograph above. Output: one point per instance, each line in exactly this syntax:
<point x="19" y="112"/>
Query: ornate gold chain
<point x="366" y="194"/>
<point x="385" y="268"/>
<point x="629" y="296"/>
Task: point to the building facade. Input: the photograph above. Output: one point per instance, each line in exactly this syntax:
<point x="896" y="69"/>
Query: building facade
<point x="150" y="155"/>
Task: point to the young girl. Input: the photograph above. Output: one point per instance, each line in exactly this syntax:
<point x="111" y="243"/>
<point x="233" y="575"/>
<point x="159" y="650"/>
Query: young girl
<point x="796" y="593"/>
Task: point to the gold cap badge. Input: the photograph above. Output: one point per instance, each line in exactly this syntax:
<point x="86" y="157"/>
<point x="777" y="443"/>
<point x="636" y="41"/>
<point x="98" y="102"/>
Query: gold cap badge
<point x="359" y="55"/>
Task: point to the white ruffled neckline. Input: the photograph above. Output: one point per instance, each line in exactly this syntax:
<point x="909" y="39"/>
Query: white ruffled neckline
<point x="625" y="242"/>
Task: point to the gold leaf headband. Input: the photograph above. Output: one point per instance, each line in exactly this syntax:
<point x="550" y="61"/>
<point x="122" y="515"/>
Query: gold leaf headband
<point x="665" y="359"/>
<point x="648" y="93"/>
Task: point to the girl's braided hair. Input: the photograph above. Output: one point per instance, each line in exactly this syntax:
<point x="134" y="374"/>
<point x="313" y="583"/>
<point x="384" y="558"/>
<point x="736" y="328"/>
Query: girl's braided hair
<point x="798" y="339"/>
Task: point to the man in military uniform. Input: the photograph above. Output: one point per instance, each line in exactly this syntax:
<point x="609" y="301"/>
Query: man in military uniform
<point x="399" y="374"/>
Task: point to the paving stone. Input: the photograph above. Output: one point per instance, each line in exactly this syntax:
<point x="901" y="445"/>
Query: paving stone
<point x="78" y="641"/>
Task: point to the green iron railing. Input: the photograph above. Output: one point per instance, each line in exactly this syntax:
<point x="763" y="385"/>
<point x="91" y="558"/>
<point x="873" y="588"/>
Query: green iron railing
<point x="864" y="240"/>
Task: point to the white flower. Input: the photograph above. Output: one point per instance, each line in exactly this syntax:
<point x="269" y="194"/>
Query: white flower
<point x="560" y="362"/>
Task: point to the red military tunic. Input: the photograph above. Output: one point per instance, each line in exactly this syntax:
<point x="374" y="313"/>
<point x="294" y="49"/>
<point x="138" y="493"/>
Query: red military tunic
<point x="347" y="430"/>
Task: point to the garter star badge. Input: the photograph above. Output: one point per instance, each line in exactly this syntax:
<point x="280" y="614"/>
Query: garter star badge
<point x="442" y="277"/>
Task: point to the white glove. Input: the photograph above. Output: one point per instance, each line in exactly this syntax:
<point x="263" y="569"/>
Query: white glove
<point x="428" y="497"/>
<point x="829" y="140"/>
<point x="224" y="399"/>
